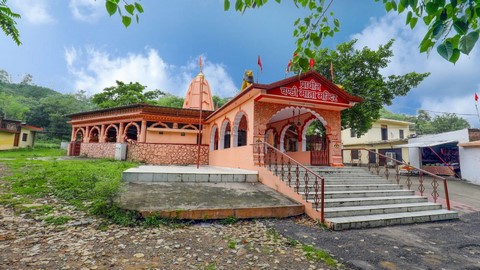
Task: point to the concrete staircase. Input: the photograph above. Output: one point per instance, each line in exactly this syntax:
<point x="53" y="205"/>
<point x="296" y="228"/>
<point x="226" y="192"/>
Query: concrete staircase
<point x="355" y="198"/>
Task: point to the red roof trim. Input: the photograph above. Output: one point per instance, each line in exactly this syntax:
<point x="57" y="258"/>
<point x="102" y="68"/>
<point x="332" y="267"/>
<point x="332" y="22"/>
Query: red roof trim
<point x="32" y="127"/>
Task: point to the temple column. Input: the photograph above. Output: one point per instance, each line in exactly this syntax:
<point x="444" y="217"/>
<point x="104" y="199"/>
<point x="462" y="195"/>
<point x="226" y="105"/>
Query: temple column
<point x="73" y="134"/>
<point x="143" y="132"/>
<point x="102" y="134"/>
<point x="120" y="138"/>
<point x="86" y="136"/>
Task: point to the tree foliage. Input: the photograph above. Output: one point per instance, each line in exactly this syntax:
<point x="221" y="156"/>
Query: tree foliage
<point x="8" y="23"/>
<point x="125" y="94"/>
<point x="453" y="26"/>
<point x="425" y="124"/>
<point x="170" y="100"/>
<point x="358" y="72"/>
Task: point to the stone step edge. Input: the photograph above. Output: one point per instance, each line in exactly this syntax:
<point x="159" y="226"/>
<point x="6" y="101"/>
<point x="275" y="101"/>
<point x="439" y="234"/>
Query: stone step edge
<point x="379" y="206"/>
<point x="362" y="191"/>
<point x="371" y="199"/>
<point x="367" y="218"/>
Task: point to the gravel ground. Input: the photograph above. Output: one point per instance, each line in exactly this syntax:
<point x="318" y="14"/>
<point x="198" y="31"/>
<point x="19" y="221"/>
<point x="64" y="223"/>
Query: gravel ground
<point x="440" y="245"/>
<point x="27" y="243"/>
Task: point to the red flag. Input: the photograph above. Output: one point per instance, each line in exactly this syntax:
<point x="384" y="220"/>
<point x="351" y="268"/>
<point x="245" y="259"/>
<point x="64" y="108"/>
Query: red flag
<point x="476" y="97"/>
<point x="259" y="62"/>
<point x="289" y="66"/>
<point x="312" y="63"/>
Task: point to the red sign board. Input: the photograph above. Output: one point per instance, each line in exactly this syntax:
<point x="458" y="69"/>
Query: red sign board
<point x="308" y="89"/>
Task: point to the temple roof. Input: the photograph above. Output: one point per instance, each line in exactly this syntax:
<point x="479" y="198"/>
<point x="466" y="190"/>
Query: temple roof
<point x="192" y="98"/>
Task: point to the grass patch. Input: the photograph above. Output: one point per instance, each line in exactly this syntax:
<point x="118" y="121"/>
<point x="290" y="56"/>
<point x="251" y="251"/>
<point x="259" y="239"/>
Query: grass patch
<point x="57" y="221"/>
<point x="273" y="234"/>
<point x="89" y="185"/>
<point x="232" y="244"/>
<point x="33" y="152"/>
<point x="228" y="220"/>
<point x="319" y="255"/>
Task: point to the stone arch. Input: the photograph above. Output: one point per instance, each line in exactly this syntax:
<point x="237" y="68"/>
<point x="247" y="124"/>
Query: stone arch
<point x="190" y="126"/>
<point x="159" y="124"/>
<point x="240" y="127"/>
<point x="317" y="115"/>
<point x="92" y="137"/>
<point x="79" y="132"/>
<point x="214" y="138"/>
<point x="130" y="134"/>
<point x="109" y="137"/>
<point x="282" y="136"/>
<point x="225" y="132"/>
<point x="272" y="132"/>
<point x="304" y="131"/>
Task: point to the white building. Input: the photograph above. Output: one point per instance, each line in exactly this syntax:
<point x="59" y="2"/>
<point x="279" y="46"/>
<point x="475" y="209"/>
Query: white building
<point x="449" y="153"/>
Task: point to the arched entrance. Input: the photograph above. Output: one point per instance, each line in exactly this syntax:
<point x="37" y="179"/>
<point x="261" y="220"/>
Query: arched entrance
<point x="131" y="133"/>
<point x="111" y="133"/>
<point x="316" y="141"/>
<point x="303" y="134"/>
<point x="94" y="135"/>
<point x="240" y="130"/>
<point x="225" y="132"/>
<point x="214" y="138"/>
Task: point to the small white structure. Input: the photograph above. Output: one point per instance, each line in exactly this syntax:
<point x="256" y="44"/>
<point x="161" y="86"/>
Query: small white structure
<point x="449" y="153"/>
<point x="470" y="161"/>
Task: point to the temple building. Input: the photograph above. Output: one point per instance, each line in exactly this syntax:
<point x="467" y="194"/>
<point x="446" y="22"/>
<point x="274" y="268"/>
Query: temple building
<point x="299" y="115"/>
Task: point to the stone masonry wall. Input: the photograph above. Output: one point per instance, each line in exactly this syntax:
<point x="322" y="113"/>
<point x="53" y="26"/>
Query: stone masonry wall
<point x="167" y="154"/>
<point x="98" y="150"/>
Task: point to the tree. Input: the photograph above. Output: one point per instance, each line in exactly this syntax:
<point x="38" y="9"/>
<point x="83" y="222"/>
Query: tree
<point x="358" y="72"/>
<point x="4" y="76"/>
<point x="170" y="100"/>
<point x="125" y="94"/>
<point x="424" y="124"/>
<point x="441" y="18"/>
<point x="27" y="79"/>
<point x="8" y="23"/>
<point x="49" y="112"/>
<point x="219" y="102"/>
<point x="448" y="122"/>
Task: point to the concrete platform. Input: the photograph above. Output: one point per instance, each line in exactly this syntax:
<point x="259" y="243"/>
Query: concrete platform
<point x="200" y="201"/>
<point x="204" y="174"/>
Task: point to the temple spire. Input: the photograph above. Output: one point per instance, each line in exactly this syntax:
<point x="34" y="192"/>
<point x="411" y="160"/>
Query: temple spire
<point x="192" y="98"/>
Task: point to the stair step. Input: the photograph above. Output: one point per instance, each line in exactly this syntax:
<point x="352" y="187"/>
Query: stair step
<point x="371" y="221"/>
<point x="364" y="193"/>
<point x="379" y="209"/>
<point x="343" y="202"/>
<point x="330" y="187"/>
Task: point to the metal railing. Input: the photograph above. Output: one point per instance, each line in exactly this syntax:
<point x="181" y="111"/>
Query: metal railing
<point x="290" y="171"/>
<point x="398" y="167"/>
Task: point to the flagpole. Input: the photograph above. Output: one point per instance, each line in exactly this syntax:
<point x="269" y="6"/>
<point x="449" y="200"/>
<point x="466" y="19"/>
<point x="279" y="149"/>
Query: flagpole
<point x="200" y="116"/>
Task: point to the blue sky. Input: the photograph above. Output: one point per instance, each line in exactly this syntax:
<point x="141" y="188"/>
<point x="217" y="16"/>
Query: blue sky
<point x="73" y="44"/>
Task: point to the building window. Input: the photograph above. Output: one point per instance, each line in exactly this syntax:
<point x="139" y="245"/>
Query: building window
<point x="384" y="133"/>
<point x="352" y="133"/>
<point x="354" y="154"/>
<point x="401" y="135"/>
<point x="24" y="137"/>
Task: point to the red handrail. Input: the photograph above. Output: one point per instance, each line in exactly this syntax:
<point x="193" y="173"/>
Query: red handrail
<point x="397" y="163"/>
<point x="319" y="197"/>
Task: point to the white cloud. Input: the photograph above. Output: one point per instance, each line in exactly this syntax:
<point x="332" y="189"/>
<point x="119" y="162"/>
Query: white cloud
<point x="87" y="10"/>
<point x="93" y="70"/>
<point x="449" y="88"/>
<point x="34" y="11"/>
